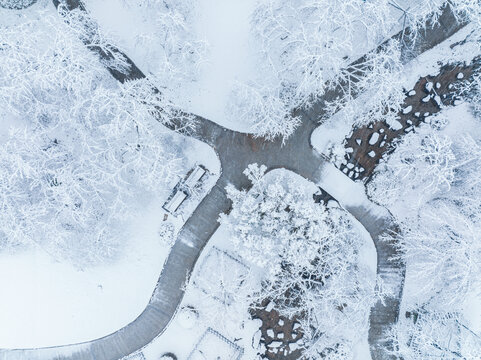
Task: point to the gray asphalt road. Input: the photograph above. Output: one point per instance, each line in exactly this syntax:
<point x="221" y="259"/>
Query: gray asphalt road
<point x="237" y="150"/>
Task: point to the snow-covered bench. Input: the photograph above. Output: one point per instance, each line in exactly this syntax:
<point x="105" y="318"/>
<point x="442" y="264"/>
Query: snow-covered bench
<point x="197" y="173"/>
<point x="136" y="356"/>
<point x="175" y="201"/>
<point x="184" y="189"/>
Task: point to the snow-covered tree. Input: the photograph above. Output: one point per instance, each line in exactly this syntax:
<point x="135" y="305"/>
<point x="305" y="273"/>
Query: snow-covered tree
<point x="306" y="49"/>
<point x="264" y="108"/>
<point x="421" y="14"/>
<point x="87" y="30"/>
<point x="89" y="147"/>
<point x="443" y="251"/>
<point x="427" y="333"/>
<point x="311" y="47"/>
<point x="309" y="256"/>
<point x="421" y="166"/>
<point x="376" y="78"/>
<point x="469" y="10"/>
<point x="431" y="183"/>
<point x="306" y="41"/>
<point x="41" y="61"/>
<point x="167" y="45"/>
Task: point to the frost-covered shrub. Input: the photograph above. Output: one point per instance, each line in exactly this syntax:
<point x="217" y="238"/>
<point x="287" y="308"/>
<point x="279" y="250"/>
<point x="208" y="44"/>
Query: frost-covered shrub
<point x="439" y="334"/>
<point x="421" y="166"/>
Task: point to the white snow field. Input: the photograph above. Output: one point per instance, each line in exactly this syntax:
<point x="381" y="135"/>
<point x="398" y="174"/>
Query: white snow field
<point x="46" y="303"/>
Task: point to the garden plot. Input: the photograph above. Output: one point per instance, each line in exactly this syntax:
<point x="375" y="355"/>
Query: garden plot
<point x="213" y="345"/>
<point x="200" y="310"/>
<point x="222" y="275"/>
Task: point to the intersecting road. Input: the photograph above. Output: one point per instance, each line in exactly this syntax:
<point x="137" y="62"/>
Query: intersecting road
<point x="236" y="150"/>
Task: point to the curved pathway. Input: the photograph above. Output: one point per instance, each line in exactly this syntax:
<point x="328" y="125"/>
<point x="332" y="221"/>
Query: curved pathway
<point x="237" y="150"/>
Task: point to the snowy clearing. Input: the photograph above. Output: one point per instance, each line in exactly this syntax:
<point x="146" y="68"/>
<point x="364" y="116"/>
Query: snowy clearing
<point x="46" y="303"/>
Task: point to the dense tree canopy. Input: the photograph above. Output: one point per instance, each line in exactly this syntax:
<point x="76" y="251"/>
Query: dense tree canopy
<point x="86" y="146"/>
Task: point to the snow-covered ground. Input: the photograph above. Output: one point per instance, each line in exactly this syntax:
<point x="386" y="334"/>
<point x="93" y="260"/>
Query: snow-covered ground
<point x="184" y="332"/>
<point x="223" y="25"/>
<point x="45" y="302"/>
